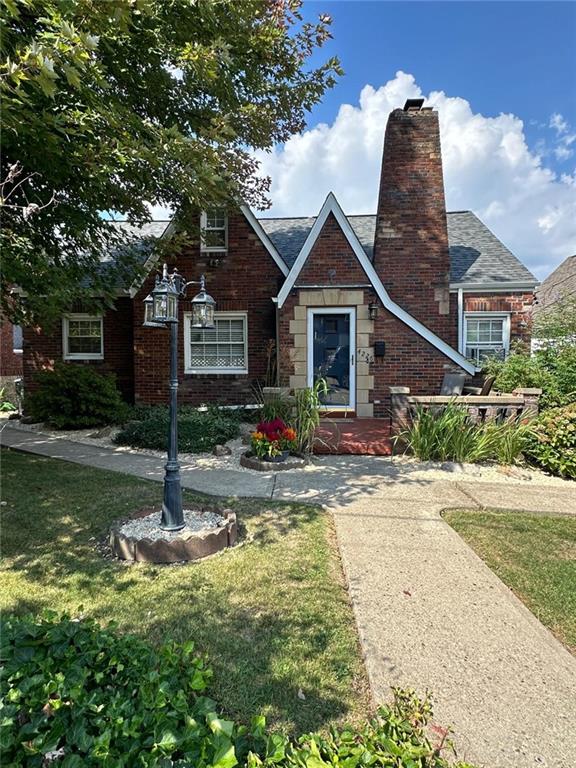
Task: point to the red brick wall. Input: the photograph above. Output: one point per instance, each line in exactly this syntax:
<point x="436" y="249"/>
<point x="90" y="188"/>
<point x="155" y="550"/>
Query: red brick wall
<point x="411" y="244"/>
<point x="245" y="279"/>
<point x="332" y="260"/>
<point x="43" y="349"/>
<point x="10" y="361"/>
<point x="409" y="361"/>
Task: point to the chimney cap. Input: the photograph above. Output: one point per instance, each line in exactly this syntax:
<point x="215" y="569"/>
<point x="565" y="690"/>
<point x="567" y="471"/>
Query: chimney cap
<point x="413" y="105"/>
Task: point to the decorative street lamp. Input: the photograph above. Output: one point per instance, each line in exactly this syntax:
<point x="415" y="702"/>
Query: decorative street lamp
<point x="161" y="310"/>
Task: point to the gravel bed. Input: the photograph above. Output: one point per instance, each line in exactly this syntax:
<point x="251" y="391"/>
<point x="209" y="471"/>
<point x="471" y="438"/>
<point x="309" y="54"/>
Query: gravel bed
<point x="149" y="527"/>
<point x="399" y="466"/>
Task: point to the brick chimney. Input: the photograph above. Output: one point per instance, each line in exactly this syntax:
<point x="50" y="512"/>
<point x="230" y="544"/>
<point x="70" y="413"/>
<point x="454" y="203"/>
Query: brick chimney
<point x="411" y="242"/>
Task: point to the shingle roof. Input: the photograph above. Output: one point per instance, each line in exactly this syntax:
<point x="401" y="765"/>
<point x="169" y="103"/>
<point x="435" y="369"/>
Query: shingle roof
<point x="561" y="283"/>
<point x="288" y="235"/>
<point x="476" y="254"/>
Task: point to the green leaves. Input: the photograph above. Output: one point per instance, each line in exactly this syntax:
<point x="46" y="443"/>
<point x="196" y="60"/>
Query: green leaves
<point x="76" y="397"/>
<point x="110" y="105"/>
<point x="553" y="442"/>
<point x="450" y="434"/>
<point x="116" y="717"/>
<point x="197" y="431"/>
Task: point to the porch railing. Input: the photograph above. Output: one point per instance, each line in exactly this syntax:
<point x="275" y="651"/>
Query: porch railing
<point x="521" y="404"/>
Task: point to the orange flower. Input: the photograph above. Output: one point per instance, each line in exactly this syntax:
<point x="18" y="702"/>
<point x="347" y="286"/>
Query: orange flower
<point x="257" y="436"/>
<point x="289" y="433"/>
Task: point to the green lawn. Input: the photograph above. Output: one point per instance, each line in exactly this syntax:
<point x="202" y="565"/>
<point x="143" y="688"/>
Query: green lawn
<point x="535" y="555"/>
<point x="273" y="614"/>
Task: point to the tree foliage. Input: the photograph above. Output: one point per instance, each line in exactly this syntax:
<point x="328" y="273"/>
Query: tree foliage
<point x="111" y="106"/>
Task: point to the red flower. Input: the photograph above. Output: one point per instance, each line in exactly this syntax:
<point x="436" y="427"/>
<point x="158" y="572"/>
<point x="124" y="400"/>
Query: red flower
<point x="270" y="428"/>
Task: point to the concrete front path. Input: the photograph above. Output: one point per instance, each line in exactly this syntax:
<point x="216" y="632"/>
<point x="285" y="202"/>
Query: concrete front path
<point x="430" y="613"/>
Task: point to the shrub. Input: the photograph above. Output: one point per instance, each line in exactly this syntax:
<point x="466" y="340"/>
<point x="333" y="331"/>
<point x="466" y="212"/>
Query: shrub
<point x="91" y="697"/>
<point x="552" y="369"/>
<point x="448" y="434"/>
<point x="396" y="737"/>
<point x="553" y="442"/>
<point x="76" y="397"/>
<point x="77" y="695"/>
<point x="197" y="430"/>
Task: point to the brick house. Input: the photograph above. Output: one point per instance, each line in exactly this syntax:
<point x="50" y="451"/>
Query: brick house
<point x="398" y="298"/>
<point x="10" y="357"/>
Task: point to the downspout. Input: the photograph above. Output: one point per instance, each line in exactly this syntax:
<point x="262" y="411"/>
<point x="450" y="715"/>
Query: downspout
<point x="275" y="301"/>
<point x="461" y="321"/>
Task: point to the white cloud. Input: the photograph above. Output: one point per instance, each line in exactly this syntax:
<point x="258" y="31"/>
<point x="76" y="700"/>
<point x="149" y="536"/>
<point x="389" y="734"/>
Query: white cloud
<point x="488" y="168"/>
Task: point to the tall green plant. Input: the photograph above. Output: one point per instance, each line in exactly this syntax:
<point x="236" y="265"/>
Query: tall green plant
<point x="308" y="404"/>
<point x="449" y="434"/>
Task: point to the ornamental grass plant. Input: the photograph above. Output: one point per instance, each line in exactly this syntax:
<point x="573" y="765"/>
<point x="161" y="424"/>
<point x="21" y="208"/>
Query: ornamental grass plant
<point x="447" y="433"/>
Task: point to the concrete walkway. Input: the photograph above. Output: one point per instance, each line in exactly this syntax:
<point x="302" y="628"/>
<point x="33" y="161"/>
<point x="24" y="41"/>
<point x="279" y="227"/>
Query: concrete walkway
<point x="430" y="613"/>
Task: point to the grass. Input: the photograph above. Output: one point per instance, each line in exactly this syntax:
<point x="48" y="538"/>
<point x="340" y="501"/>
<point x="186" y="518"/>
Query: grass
<point x="535" y="555"/>
<point x="273" y="615"/>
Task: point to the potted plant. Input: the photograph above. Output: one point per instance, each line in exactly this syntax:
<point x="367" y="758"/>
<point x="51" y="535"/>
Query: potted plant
<point x="273" y="441"/>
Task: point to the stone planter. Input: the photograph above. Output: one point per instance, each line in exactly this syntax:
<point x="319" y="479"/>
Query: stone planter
<point x="250" y="461"/>
<point x="180" y="547"/>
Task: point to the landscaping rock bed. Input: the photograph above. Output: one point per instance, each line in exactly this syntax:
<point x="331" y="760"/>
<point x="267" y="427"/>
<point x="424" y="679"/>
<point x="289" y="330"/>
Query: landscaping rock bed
<point x="205" y="532"/>
<point x="250" y="461"/>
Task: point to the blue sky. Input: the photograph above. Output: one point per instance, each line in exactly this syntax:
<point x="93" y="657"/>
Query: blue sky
<point x="517" y="57"/>
<point x="502" y="76"/>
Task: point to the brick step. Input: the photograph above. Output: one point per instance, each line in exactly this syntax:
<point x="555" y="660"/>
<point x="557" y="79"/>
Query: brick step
<point x="360" y="437"/>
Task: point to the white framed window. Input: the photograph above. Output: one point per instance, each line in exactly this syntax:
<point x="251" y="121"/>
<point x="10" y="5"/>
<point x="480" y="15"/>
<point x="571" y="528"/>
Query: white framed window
<point x="17" y="342"/>
<point x="222" y="349"/>
<point x="486" y="334"/>
<point x="83" y="337"/>
<point x="214" y="225"/>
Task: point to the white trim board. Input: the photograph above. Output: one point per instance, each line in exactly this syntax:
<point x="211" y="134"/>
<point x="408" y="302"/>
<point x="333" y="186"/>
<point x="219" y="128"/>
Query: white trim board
<point x="331" y="205"/>
<point x="488" y="288"/>
<point x="265" y="240"/>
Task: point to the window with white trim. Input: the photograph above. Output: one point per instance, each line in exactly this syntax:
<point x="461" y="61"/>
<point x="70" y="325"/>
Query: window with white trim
<point x="83" y="337"/>
<point x="486" y="335"/>
<point x="222" y="349"/>
<point x="17" y="337"/>
<point x="214" y="225"/>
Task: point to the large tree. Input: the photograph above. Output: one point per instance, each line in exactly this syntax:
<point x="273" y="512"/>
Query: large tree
<point x="113" y="105"/>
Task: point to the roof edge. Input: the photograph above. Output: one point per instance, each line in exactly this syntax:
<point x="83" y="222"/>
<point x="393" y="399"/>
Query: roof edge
<point x="332" y="206"/>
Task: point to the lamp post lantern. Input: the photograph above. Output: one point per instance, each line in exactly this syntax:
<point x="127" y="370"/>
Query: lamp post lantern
<point x="161" y="310"/>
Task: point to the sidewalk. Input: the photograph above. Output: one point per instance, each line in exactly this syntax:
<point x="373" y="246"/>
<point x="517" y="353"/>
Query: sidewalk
<point x="430" y="613"/>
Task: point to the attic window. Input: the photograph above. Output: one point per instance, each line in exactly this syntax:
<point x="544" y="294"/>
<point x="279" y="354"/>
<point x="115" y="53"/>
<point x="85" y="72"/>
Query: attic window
<point x="214" y="225"/>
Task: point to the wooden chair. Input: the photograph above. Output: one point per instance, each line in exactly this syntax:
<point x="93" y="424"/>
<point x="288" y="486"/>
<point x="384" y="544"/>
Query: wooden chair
<point x="485" y="389"/>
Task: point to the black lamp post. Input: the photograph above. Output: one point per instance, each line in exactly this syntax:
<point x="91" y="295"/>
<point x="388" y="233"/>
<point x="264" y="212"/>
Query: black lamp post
<point x="161" y="310"/>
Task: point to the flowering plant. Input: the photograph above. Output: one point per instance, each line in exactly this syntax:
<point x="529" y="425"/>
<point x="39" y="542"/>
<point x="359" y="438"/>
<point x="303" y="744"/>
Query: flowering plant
<point x="272" y="438"/>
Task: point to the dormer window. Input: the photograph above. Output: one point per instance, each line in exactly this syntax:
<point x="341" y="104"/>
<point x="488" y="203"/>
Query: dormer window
<point x="214" y="224"/>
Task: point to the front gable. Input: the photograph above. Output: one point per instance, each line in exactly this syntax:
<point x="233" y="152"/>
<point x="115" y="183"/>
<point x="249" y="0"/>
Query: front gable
<point x="331" y="260"/>
<point x="330" y="227"/>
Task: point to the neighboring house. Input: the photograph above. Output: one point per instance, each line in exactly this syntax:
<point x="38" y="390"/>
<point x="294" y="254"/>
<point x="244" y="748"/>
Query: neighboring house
<point x="398" y="298"/>
<point x="553" y="293"/>
<point x="557" y="287"/>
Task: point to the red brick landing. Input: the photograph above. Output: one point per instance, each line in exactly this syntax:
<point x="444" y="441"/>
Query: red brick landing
<point x="367" y="437"/>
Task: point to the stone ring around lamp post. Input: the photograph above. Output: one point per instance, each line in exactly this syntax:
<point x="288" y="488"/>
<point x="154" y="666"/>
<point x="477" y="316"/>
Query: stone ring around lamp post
<point x="161" y="311"/>
<point x="141" y="539"/>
